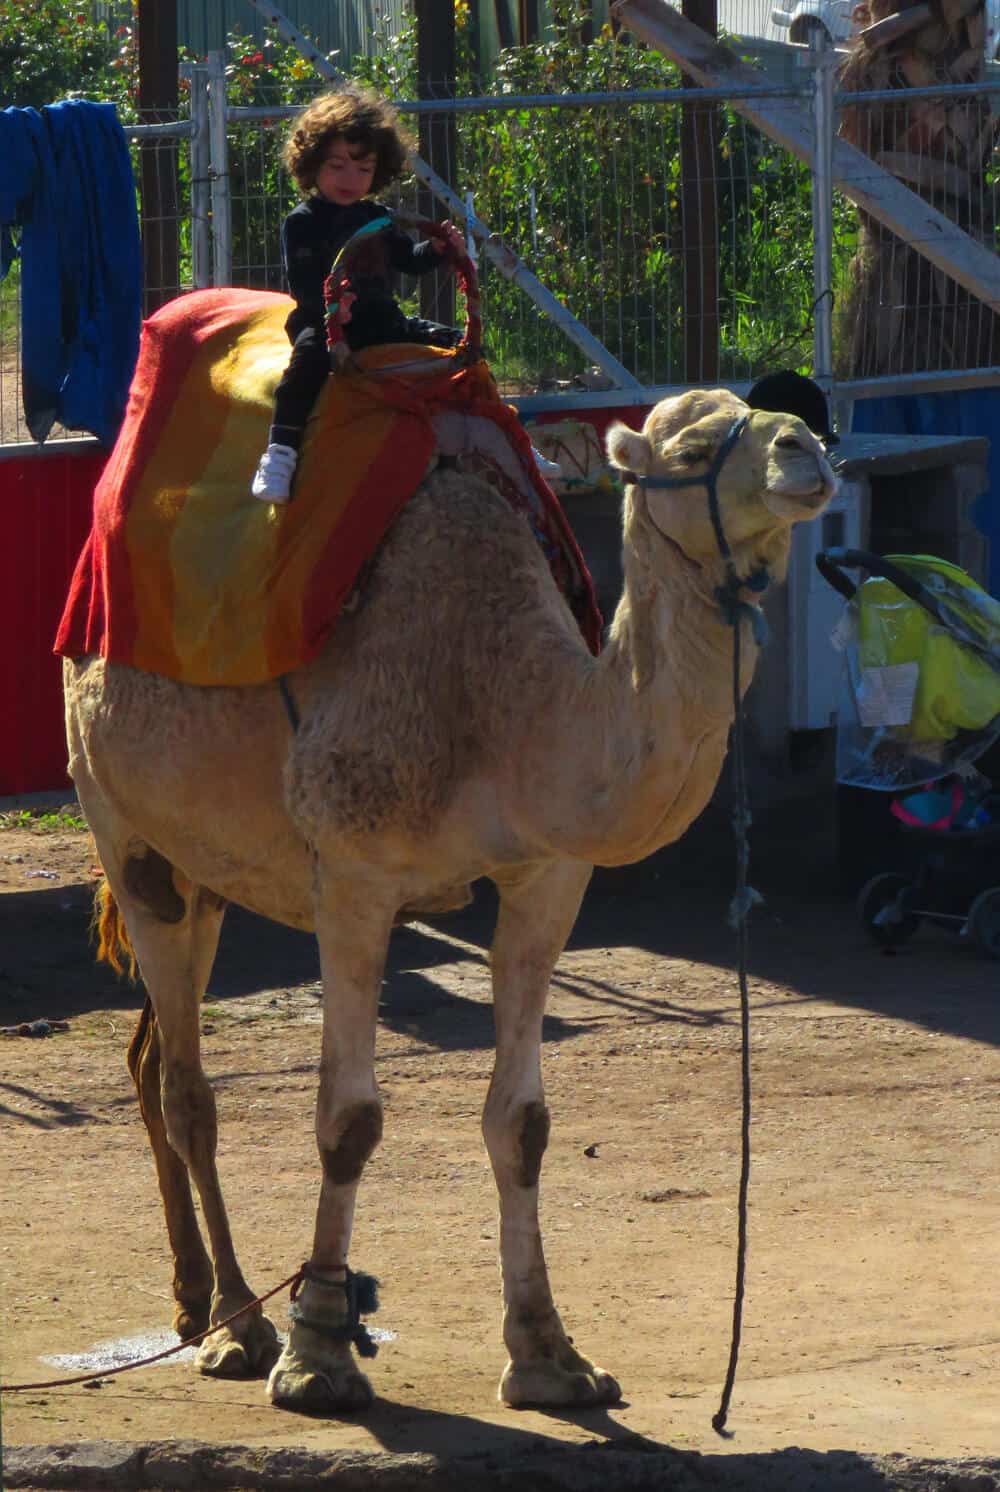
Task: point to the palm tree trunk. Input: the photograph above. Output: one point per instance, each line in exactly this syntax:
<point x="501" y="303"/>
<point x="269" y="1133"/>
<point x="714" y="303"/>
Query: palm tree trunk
<point x="904" y="315"/>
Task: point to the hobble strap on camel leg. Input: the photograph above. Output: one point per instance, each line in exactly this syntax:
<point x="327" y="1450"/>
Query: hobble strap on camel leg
<point x="362" y="1300"/>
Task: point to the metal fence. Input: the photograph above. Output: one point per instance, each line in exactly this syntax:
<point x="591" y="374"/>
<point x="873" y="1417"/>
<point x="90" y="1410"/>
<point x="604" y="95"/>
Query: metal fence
<point x="899" y="318"/>
<point x="667" y="227"/>
<point x="589" y="195"/>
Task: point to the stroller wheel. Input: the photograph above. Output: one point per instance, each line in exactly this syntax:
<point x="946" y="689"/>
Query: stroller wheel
<point x="881" y="906"/>
<point x="983" y="921"/>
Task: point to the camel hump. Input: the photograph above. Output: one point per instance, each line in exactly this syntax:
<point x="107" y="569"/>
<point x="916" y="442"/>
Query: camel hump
<point x="198" y="313"/>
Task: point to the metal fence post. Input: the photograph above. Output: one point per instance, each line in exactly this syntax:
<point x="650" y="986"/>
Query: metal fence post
<point x="218" y="171"/>
<point x="201" y="199"/>
<point x="824" y="60"/>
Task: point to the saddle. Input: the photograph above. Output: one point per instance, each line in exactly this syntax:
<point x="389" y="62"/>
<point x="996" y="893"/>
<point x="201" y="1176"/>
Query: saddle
<point x="186" y="575"/>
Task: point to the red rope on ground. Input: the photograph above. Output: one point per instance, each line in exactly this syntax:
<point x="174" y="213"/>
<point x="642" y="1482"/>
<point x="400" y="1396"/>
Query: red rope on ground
<point x="143" y="1362"/>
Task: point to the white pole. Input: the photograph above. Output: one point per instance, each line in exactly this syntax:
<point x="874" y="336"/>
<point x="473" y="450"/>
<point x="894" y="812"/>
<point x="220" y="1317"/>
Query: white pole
<point x="222" y="235"/>
<point x="823" y="59"/>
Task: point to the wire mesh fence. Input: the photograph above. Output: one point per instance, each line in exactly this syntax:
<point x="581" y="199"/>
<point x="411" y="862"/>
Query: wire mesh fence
<point x="592" y="197"/>
<point x="897" y="314"/>
<point x="679" y="235"/>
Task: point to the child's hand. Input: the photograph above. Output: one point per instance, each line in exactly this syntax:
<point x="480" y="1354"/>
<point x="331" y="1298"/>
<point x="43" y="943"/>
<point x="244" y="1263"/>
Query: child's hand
<point x="446" y="237"/>
<point x="342" y="314"/>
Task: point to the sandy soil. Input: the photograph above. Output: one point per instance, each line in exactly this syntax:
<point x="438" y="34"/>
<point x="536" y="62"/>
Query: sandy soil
<point x="871" y="1315"/>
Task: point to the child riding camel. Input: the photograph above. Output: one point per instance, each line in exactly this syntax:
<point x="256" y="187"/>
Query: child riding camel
<point x="343" y="147"/>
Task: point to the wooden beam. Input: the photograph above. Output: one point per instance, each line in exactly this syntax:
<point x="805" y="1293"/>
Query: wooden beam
<point x="699" y="220"/>
<point x="505" y="31"/>
<point x="438" y="138"/>
<point x="475" y="25"/>
<point x="156" y="36"/>
<point x="527" y="21"/>
<point x="867" y="184"/>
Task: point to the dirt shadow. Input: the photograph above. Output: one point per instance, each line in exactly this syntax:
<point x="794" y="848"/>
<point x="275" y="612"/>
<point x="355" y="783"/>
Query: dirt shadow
<point x="805" y="937"/>
<point x="444" y="1452"/>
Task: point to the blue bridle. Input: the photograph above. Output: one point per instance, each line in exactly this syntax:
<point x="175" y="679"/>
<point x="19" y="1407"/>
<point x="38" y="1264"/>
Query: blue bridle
<point x="728" y="595"/>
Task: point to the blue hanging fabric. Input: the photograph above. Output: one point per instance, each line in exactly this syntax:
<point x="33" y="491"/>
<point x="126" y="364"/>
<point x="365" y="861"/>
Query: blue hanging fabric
<point x="66" y="179"/>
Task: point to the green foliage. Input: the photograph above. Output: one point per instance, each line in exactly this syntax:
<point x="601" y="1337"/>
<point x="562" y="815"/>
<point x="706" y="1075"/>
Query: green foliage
<point x="52" y="49"/>
<point x="269" y="75"/>
<point x="44" y="821"/>
<point x="590" y="197"/>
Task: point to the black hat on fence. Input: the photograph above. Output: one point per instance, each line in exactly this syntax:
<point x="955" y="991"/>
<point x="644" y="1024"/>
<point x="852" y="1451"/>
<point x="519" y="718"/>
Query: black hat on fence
<point x="791" y="393"/>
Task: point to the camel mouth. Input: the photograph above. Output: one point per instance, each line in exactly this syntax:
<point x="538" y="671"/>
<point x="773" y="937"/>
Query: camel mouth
<point x="793" y="494"/>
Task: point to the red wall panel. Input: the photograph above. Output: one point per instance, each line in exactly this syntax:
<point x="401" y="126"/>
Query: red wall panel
<point x="45" y="504"/>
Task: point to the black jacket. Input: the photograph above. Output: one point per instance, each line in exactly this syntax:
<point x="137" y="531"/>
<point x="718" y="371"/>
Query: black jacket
<point x="313" y="234"/>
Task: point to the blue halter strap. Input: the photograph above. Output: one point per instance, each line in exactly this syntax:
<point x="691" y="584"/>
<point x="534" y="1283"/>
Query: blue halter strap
<point x="728" y="595"/>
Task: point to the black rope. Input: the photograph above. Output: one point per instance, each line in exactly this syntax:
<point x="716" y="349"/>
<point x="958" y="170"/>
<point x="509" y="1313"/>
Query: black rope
<point x="734" y="610"/>
<point x="743" y="899"/>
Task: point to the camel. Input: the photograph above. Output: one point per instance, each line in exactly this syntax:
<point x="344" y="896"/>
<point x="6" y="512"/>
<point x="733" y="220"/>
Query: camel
<point x="454" y="726"/>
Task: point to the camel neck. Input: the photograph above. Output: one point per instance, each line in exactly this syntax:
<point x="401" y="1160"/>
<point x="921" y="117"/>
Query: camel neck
<point x="665" y="692"/>
<point x="678" y="643"/>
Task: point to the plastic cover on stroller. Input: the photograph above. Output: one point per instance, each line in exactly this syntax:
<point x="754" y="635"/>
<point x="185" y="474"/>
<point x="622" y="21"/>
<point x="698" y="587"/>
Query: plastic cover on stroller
<point x="920" y="692"/>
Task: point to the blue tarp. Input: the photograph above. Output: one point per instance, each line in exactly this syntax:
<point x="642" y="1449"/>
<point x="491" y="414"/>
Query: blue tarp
<point x="968" y="412"/>
<point x="66" y="180"/>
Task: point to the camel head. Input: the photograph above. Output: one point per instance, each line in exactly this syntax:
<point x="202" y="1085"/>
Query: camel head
<point x="773" y="473"/>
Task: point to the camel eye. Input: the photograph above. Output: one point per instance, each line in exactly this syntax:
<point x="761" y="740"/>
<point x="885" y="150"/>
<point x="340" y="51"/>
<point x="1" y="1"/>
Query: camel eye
<point x="691" y="455"/>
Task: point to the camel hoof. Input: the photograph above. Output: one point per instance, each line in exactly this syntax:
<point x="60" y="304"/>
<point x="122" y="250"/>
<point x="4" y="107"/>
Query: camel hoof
<point x="223" y="1355"/>
<point x="294" y="1385"/>
<point x="191" y="1321"/>
<point x="545" y="1384"/>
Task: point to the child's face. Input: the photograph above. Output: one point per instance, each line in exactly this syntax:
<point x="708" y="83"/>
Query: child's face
<point x="345" y="173"/>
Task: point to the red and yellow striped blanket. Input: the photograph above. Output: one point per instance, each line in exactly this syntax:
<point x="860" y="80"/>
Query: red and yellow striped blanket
<point x="185" y="574"/>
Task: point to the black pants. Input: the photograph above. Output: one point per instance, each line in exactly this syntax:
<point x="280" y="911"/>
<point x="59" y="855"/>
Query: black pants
<point x="371" y="323"/>
<point x="299" y="386"/>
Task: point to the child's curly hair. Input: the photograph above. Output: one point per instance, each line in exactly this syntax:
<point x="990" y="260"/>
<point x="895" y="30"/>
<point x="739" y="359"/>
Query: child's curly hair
<point x="360" y="118"/>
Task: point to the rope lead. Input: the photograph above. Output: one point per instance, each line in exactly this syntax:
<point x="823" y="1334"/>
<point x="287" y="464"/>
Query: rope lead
<point x="744" y="898"/>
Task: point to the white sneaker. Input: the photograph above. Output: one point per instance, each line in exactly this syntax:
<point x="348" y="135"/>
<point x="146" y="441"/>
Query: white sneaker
<point x="547" y="468"/>
<point x="272" y="481"/>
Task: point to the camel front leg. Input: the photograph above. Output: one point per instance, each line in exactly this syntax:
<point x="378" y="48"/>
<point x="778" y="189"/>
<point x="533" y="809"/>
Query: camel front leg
<point x="537" y="913"/>
<point x="317" y="1372"/>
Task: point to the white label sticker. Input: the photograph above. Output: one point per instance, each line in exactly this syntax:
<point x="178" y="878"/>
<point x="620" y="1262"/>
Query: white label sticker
<point x="843" y="632"/>
<point x="885" y="695"/>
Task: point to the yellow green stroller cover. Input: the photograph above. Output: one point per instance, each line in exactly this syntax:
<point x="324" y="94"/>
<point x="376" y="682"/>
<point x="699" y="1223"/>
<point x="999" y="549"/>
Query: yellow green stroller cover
<point x="923" y="675"/>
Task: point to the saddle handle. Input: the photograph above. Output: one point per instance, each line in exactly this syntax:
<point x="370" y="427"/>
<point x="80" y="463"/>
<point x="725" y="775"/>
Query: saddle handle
<point x="470" y="348"/>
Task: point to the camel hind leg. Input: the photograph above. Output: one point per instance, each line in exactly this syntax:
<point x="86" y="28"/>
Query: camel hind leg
<point x="192" y="1283"/>
<point x="173" y="927"/>
<point x="537" y="912"/>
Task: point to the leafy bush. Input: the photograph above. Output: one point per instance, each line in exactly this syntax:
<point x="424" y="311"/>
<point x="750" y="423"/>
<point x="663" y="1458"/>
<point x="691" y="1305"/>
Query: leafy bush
<point x="52" y="49"/>
<point x="590" y="197"/>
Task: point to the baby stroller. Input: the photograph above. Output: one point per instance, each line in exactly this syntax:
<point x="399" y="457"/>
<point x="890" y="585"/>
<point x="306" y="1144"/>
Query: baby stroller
<point x="920" y="703"/>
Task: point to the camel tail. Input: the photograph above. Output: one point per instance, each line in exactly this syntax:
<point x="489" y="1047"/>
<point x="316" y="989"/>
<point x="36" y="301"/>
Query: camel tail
<point x="108" y="928"/>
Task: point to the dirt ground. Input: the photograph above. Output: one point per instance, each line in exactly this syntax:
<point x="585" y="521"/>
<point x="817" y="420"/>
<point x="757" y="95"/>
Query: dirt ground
<point x="870" y="1324"/>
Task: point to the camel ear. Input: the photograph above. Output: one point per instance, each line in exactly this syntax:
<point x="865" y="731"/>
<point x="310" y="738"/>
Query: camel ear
<point x="627" y="449"/>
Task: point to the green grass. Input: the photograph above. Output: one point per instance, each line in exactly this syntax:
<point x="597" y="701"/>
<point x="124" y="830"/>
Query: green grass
<point x="43" y="821"/>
